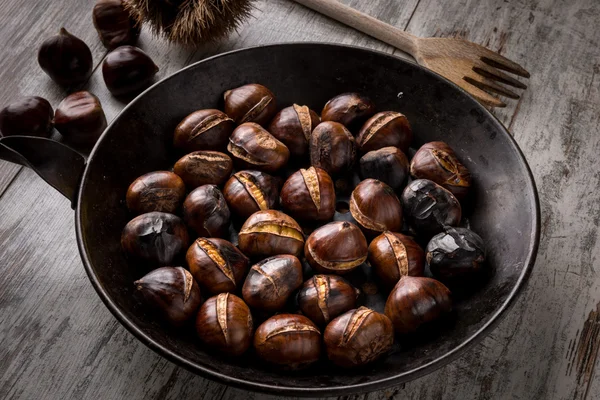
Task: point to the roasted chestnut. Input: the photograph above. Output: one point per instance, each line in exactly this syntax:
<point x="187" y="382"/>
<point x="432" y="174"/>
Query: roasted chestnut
<point x="203" y="168"/>
<point x="204" y="130"/>
<point x="114" y="24"/>
<point x="332" y="148"/>
<point x="217" y="265"/>
<point x="358" y="337"/>
<point x="388" y="128"/>
<point x="127" y="70"/>
<point x="309" y="194"/>
<point x="437" y="162"/>
<point x="293" y="126"/>
<point x="270" y="283"/>
<point x="348" y="109"/>
<point x="224" y="323"/>
<point x="172" y="292"/>
<point x="66" y="59"/>
<point x="254" y="147"/>
<point x="324" y="297"/>
<point x="155" y="237"/>
<point x="30" y="116"/>
<point x="288" y="340"/>
<point x="388" y="164"/>
<point x="269" y="233"/>
<point x="394" y="255"/>
<point x="80" y="118"/>
<point x="247" y="192"/>
<point x="375" y="207"/>
<point x="415" y="301"/>
<point x="205" y="211"/>
<point x="155" y="191"/>
<point x="336" y="248"/>
<point x="250" y="103"/>
<point x="455" y="253"/>
<point x="429" y="208"/>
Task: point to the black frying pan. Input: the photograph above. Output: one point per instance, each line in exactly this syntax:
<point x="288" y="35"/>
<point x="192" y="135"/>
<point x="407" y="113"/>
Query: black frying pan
<point x="139" y="141"/>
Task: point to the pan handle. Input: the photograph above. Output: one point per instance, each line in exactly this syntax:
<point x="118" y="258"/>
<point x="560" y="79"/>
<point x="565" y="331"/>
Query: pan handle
<point x="59" y="165"/>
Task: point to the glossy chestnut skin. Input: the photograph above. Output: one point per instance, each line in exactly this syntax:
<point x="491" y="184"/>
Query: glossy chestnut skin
<point x="224" y="323"/>
<point x="293" y="126"/>
<point x="80" y="118"/>
<point x="30" y="116"/>
<point x="375" y="207"/>
<point x="429" y="208"/>
<point x="155" y="237"/>
<point x="161" y="191"/>
<point x="384" y="129"/>
<point x="253" y="147"/>
<point x="172" y="292"/>
<point x="250" y="103"/>
<point x="336" y="248"/>
<point x="270" y="282"/>
<point x="203" y="130"/>
<point x="358" y="337"/>
<point x="388" y="164"/>
<point x="324" y="297"/>
<point x="66" y="59"/>
<point x="288" y="340"/>
<point x="205" y="211"/>
<point x="332" y="148"/>
<point x="114" y="24"/>
<point x="394" y="255"/>
<point x="309" y="194"/>
<point x="127" y="70"/>
<point x="203" y="168"/>
<point x="249" y="191"/>
<point x="348" y="109"/>
<point x="437" y="162"/>
<point x="217" y="265"/>
<point x="455" y="253"/>
<point x="415" y="301"/>
<point x="269" y="233"/>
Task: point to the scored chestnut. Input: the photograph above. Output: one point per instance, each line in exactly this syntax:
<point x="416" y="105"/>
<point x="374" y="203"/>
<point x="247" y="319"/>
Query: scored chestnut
<point x="155" y="191"/>
<point x="358" y="337"/>
<point x="455" y="253"/>
<point x="171" y="291"/>
<point x="250" y="103"/>
<point x="127" y="70"/>
<point x="332" y="148"/>
<point x="270" y="283"/>
<point x="394" y="255"/>
<point x="375" y="207"/>
<point x="224" y="323"/>
<point x="388" y="164"/>
<point x="66" y="59"/>
<point x="247" y="192"/>
<point x="309" y="194"/>
<point x="293" y="126"/>
<point x="288" y="340"/>
<point x="253" y="147"/>
<point x="324" y="297"/>
<point x="337" y="248"/>
<point x="30" y="116"/>
<point x="203" y="168"/>
<point x="348" y="109"/>
<point x="269" y="233"/>
<point x="388" y="128"/>
<point x="114" y="24"/>
<point x="80" y="118"/>
<point x="205" y="211"/>
<point x="204" y="130"/>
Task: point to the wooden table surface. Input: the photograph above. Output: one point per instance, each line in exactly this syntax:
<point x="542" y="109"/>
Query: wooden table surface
<point x="58" y="341"/>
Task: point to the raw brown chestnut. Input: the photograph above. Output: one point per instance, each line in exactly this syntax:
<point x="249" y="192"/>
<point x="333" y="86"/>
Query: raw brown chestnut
<point x="114" y="24"/>
<point x="455" y="253"/>
<point x="309" y="194"/>
<point x="224" y="323"/>
<point x="217" y="265"/>
<point x="388" y="164"/>
<point x="155" y="237"/>
<point x="253" y="147"/>
<point x="80" y="118"/>
<point x="288" y="340"/>
<point x="155" y="191"/>
<point x="270" y="283"/>
<point x="415" y="301"/>
<point x="66" y="59"/>
<point x="332" y="148"/>
<point x="247" y="192"/>
<point x="348" y="109"/>
<point x="437" y="162"/>
<point x="205" y="211"/>
<point x="250" y="103"/>
<point x="336" y="248"/>
<point x="394" y="255"/>
<point x="30" y="116"/>
<point x="127" y="70"/>
<point x="204" y="130"/>
<point x="324" y="297"/>
<point x="269" y="233"/>
<point x="293" y="126"/>
<point x="375" y="207"/>
<point x="358" y="337"/>
<point x="203" y="168"/>
<point x="172" y="292"/>
<point x="388" y="128"/>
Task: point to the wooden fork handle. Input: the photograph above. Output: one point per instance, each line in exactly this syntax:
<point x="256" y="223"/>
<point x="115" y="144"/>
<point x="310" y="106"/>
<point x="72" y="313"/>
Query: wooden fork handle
<point x="364" y="23"/>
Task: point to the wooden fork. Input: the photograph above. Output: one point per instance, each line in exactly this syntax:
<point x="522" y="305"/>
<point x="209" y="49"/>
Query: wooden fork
<point x="474" y="68"/>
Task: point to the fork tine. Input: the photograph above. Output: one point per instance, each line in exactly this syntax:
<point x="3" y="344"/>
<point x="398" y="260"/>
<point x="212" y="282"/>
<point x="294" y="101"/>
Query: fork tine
<point x="489" y="85"/>
<point x="497" y="75"/>
<point x="481" y="95"/>
<point x="498" y="61"/>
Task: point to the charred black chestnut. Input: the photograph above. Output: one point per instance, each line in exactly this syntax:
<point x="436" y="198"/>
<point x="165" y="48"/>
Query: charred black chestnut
<point x="203" y="168"/>
<point x="332" y="148"/>
<point x="348" y="109"/>
<point x="80" y="118"/>
<point x="388" y="164"/>
<point x="309" y="194"/>
<point x="30" y="116"/>
<point x="205" y="211"/>
<point x="66" y="59"/>
<point x="388" y="128"/>
<point x="204" y="130"/>
<point x="155" y="191"/>
<point x="293" y="126"/>
<point x="250" y="103"/>
<point x="127" y="70"/>
<point x="394" y="255"/>
<point x="375" y="207"/>
<point x="247" y="192"/>
<point x="324" y="297"/>
<point x="455" y="253"/>
<point x="114" y="24"/>
<point x="269" y="233"/>
<point x="253" y="147"/>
